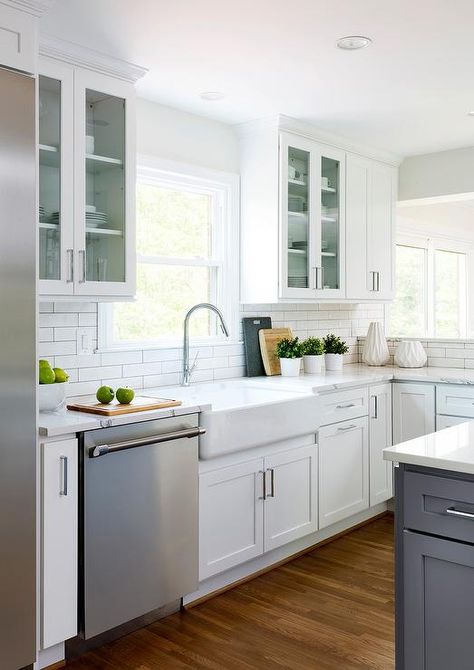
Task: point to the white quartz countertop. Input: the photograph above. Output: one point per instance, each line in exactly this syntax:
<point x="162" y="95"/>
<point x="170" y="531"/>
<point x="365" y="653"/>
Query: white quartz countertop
<point x="449" y="449"/>
<point x="204" y="397"/>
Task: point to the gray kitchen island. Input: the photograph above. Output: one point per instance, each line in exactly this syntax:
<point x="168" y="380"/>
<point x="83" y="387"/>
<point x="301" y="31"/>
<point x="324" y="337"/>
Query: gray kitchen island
<point x="434" y="549"/>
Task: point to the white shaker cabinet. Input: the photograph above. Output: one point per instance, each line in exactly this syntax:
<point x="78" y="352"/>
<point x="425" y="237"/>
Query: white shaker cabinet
<point x="413" y="411"/>
<point x="255" y="506"/>
<point x="59" y="510"/>
<point x="291" y="502"/>
<point x="380" y="437"/>
<point x="18" y="39"/>
<point x="343" y="470"/>
<point x="230" y="516"/>
<point x="371" y="193"/>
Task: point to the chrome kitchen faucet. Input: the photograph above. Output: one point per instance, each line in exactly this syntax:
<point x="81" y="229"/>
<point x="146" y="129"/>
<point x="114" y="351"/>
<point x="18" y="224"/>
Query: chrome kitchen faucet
<point x="187" y="369"/>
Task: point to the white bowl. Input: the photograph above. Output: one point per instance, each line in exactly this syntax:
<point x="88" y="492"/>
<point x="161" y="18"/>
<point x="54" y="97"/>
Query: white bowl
<point x="51" y="396"/>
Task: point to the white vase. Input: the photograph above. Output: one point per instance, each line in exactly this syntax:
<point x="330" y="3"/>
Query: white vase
<point x="410" y="354"/>
<point x="333" y="361"/>
<point x="375" y="350"/>
<point x="290" y="367"/>
<point x="312" y="364"/>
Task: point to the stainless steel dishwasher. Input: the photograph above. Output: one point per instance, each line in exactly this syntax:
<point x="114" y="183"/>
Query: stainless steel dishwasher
<point x="139" y="526"/>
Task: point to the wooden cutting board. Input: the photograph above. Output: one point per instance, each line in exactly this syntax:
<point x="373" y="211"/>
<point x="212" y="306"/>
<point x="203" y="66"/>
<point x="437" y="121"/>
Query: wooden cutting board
<point x="269" y="338"/>
<point x="138" y="404"/>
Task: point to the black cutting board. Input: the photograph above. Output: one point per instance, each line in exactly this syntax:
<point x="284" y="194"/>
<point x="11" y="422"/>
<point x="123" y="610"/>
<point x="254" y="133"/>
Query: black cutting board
<point x="253" y="358"/>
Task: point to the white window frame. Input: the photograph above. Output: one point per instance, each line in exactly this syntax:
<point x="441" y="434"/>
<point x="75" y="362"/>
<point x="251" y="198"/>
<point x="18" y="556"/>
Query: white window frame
<point x="431" y="244"/>
<point x="226" y="247"/>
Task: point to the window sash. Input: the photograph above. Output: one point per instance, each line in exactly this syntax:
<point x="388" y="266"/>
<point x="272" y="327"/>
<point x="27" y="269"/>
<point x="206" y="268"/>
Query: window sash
<point x="431" y="246"/>
<point x="224" y="260"/>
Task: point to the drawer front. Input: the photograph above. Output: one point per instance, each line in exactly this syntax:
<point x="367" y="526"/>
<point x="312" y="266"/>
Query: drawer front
<point x="443" y="421"/>
<point x="439" y="505"/>
<point x="344" y="405"/>
<point x="455" y="400"/>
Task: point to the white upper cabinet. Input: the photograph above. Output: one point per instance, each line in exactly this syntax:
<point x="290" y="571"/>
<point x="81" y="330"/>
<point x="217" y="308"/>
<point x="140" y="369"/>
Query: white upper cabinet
<point x="18" y="44"/>
<point x="310" y="230"/>
<point x="371" y="191"/>
<point x="86" y="173"/>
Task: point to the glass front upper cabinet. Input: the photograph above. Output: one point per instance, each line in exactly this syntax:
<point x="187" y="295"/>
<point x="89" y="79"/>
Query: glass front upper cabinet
<point x="298" y="214"/>
<point x="49" y="214"/>
<point x="104" y="212"/>
<point x="330" y="226"/>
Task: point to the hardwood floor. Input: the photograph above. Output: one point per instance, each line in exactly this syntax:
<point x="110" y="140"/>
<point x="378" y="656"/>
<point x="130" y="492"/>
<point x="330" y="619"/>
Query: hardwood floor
<point x="331" y="609"/>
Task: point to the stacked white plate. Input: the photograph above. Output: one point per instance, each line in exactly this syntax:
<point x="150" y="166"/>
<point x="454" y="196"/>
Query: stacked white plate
<point x="96" y="220"/>
<point x="55" y="218"/>
<point x="42" y="213"/>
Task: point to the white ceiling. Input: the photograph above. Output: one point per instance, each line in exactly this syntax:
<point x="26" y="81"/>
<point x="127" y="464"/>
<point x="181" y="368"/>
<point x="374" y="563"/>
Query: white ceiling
<point x="409" y="92"/>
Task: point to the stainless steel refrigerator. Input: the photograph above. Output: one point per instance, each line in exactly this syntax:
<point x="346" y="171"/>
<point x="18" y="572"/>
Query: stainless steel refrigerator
<point x="17" y="371"/>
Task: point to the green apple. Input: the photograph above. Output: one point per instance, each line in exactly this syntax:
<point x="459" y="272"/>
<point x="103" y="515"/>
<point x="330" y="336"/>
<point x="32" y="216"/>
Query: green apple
<point x="105" y="394"/>
<point x="61" y="375"/>
<point x="125" y="395"/>
<point x="46" y="375"/>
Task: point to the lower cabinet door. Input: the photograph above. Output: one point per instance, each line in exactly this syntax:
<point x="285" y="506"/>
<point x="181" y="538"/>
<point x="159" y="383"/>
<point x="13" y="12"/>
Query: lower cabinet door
<point x="291" y="496"/>
<point x="230" y="516"/>
<point x="438" y="604"/>
<point x="413" y="411"/>
<point x="343" y="470"/>
<point x="59" y="542"/>
<point x="380" y="437"/>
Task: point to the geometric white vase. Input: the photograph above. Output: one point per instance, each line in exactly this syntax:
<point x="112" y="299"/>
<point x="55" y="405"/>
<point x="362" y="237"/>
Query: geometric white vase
<point x="375" y="350"/>
<point x="410" y="354"/>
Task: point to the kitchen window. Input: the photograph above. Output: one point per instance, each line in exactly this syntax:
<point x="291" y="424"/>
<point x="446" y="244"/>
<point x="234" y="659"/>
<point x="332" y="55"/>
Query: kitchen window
<point x="432" y="295"/>
<point x="187" y="252"/>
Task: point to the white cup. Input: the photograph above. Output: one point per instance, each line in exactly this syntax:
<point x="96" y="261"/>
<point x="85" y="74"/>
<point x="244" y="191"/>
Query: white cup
<point x="90" y="144"/>
<point x="324" y="182"/>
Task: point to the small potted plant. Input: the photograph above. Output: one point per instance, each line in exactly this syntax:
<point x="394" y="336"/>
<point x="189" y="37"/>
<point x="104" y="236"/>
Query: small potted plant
<point x="289" y="352"/>
<point x="334" y="349"/>
<point x="313" y="352"/>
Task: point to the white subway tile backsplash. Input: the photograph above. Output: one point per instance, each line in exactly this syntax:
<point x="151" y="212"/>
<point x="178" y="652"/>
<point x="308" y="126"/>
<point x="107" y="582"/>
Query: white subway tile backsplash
<point x="110" y="371"/>
<point x="57" y="320"/>
<point x="121" y="357"/>
<point x="56" y="348"/>
<point x="87" y="319"/>
<point x="139" y="369"/>
<point x="46" y="334"/>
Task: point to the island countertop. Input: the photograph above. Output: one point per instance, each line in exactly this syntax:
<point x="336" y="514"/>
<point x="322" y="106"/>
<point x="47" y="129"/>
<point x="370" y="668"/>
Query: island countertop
<point x="449" y="449"/>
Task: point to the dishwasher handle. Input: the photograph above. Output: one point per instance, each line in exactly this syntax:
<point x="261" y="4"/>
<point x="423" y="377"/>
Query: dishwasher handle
<point x="104" y="449"/>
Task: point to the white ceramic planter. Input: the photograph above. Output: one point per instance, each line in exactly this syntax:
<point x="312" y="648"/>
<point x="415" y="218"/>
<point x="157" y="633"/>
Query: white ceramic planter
<point x="334" y="361"/>
<point x="410" y="355"/>
<point x="51" y="396"/>
<point x="313" y="364"/>
<point x="375" y="350"/>
<point x="290" y="367"/>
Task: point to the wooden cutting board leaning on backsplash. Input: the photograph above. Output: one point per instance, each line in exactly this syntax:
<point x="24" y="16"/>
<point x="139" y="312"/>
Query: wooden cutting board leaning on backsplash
<point x="269" y="338"/>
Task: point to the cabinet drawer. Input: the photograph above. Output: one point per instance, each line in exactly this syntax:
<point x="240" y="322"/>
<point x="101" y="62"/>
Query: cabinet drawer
<point x="344" y="405"/>
<point x="443" y="421"/>
<point x="455" y="400"/>
<point x="439" y="505"/>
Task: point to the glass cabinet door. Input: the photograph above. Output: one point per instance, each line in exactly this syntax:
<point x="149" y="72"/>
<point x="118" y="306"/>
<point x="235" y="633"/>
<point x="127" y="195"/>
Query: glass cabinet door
<point x="298" y="200"/>
<point x="104" y="211"/>
<point x="331" y="218"/>
<point x="49" y="214"/>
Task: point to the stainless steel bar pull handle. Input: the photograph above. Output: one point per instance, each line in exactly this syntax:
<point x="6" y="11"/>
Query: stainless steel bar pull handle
<point x="456" y="512"/>
<point x="104" y="449"/>
<point x="82" y="254"/>
<point x="372" y="273"/>
<point x="70" y="265"/>
<point x="353" y="425"/>
<point x="349" y="404"/>
<point x="63" y="489"/>
<point x="264" y="485"/>
<point x="272" y="483"/>
<point x="378" y="281"/>
<point x="375" y="415"/>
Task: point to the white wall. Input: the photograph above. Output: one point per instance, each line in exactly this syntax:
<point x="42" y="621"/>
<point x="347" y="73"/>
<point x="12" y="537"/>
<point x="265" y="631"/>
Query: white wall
<point x="437" y="174"/>
<point x="176" y="135"/>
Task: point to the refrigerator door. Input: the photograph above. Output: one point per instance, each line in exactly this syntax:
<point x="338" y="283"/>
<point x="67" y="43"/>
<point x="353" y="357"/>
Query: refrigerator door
<point x="17" y="371"/>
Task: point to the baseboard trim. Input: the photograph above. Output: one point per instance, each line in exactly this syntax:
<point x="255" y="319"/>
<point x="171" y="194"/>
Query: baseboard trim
<point x="288" y="559"/>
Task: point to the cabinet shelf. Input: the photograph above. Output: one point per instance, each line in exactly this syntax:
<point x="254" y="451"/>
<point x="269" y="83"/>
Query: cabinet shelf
<point x="48" y="147"/>
<point x="298" y="252"/>
<point x="328" y="219"/>
<point x="103" y="159"/>
<point x="328" y="254"/>
<point x="49" y="155"/>
<point x="297" y="182"/>
<point x="103" y="231"/>
<point x="328" y="189"/>
<point x="48" y="226"/>
<point x="298" y="215"/>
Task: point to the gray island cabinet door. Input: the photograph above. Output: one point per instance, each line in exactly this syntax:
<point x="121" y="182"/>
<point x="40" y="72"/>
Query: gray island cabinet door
<point x="439" y="604"/>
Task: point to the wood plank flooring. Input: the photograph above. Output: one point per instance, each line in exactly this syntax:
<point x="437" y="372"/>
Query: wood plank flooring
<point x="331" y="609"/>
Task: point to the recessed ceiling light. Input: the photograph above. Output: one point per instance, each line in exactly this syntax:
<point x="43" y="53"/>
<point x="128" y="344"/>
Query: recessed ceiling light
<point x="212" y="95"/>
<point x="353" y="42"/>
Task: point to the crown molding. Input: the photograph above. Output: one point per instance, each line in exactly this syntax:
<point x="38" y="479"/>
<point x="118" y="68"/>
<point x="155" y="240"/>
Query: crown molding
<point x="78" y="55"/>
<point x="34" y="7"/>
<point x="282" y="122"/>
